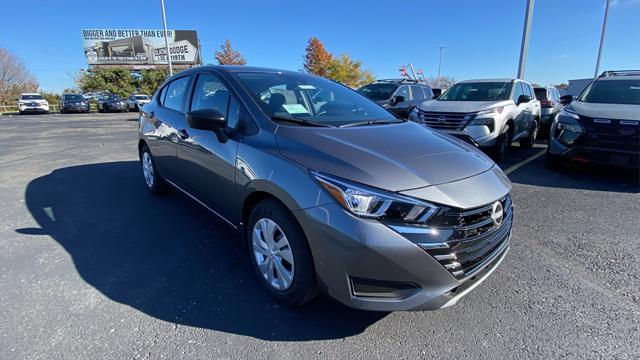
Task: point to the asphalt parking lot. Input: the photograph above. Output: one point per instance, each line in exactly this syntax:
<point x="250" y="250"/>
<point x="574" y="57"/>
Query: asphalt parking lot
<point x="92" y="266"/>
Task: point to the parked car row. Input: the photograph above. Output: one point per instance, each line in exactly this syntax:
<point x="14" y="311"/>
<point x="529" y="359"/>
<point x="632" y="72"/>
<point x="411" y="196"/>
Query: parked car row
<point x="106" y="102"/>
<point x="602" y="126"/>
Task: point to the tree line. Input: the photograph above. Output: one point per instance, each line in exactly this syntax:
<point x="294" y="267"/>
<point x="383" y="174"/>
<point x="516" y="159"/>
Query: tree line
<point x="317" y="60"/>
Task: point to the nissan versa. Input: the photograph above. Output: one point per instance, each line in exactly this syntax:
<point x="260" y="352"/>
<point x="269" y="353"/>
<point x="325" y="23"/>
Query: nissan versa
<point x="331" y="192"/>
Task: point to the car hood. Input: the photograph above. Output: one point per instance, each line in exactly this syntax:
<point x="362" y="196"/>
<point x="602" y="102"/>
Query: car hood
<point x="394" y="157"/>
<point x="607" y="111"/>
<point x="461" y="106"/>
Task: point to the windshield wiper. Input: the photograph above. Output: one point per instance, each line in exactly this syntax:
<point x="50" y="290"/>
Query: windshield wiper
<point x="371" y="122"/>
<point x="299" y="121"/>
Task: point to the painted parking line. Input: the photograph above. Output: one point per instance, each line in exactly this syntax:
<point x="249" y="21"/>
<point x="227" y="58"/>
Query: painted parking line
<point x="524" y="162"/>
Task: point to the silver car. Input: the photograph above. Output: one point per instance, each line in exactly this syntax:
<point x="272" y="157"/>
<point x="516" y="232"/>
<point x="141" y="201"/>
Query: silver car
<point x="336" y="196"/>
<point x="135" y="102"/>
<point x="489" y="113"/>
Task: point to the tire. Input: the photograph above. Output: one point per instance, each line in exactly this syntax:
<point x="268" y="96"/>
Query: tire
<point x="503" y="144"/>
<point x="302" y="286"/>
<point x="528" y="142"/>
<point x="61" y="111"/>
<point x="21" y="112"/>
<point x="552" y="161"/>
<point x="155" y="183"/>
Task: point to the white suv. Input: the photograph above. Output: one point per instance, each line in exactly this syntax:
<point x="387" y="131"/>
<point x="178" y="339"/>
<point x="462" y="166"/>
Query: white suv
<point x="32" y="102"/>
<point x="490" y="113"/>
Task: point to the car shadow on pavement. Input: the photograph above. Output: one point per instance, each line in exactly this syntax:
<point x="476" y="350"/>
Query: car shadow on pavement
<point x="169" y="258"/>
<point x="571" y="175"/>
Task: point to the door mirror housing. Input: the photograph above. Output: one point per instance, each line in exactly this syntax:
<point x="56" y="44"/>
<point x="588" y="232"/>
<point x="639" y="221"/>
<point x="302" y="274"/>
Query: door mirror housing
<point x="397" y="99"/>
<point x="206" y="119"/>
<point x="566" y="99"/>
<point x="523" y="99"/>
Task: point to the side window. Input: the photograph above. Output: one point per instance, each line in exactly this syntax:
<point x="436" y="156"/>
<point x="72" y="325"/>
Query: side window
<point x="210" y="93"/>
<point x="517" y="91"/>
<point x="403" y="91"/>
<point x="175" y="93"/>
<point x="233" y="117"/>
<point x="417" y="93"/>
<point x="528" y="91"/>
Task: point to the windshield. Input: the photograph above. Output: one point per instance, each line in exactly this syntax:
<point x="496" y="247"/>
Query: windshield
<point x="111" y="98"/>
<point x="541" y="93"/>
<point x="310" y="98"/>
<point x="378" y="92"/>
<point x="30" y="97"/>
<point x="141" y="97"/>
<point x="480" y="91"/>
<point x="612" y="92"/>
<point x="73" y="97"/>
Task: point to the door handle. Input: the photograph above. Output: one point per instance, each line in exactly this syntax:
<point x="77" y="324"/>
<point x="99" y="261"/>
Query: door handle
<point x="183" y="134"/>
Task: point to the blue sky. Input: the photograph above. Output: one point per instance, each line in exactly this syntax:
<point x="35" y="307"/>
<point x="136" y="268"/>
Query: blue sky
<point x="482" y="38"/>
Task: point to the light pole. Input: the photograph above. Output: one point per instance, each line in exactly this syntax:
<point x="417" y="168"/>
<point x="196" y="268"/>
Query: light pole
<point x="440" y="65"/>
<point x="525" y="38"/>
<point x="166" y="39"/>
<point x="604" y="28"/>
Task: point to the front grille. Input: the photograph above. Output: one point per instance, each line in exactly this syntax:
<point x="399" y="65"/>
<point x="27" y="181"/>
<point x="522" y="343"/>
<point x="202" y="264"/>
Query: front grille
<point x="474" y="238"/>
<point x="444" y="120"/>
<point x="611" y="133"/>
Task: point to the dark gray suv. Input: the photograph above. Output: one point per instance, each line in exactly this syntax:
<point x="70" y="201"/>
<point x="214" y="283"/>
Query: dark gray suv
<point x="329" y="191"/>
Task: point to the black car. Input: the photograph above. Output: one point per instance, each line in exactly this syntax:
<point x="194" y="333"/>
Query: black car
<point x="397" y="95"/>
<point x="73" y="102"/>
<point x="602" y="125"/>
<point x="111" y="103"/>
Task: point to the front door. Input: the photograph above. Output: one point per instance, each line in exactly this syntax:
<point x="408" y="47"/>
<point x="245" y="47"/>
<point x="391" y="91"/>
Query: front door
<point x="207" y="160"/>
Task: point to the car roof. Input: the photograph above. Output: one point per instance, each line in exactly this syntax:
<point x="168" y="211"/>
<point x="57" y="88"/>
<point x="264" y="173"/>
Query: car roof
<point x="621" y="77"/>
<point x="29" y="94"/>
<point x="488" y="80"/>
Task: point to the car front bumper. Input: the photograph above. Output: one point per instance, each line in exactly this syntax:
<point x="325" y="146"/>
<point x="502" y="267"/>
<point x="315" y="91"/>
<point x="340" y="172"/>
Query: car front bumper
<point x="365" y="264"/>
<point x="34" y="108"/>
<point x="597" y="155"/>
<point x="74" y="107"/>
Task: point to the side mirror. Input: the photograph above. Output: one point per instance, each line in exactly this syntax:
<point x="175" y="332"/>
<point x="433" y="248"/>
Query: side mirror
<point x="566" y="99"/>
<point x="397" y="99"/>
<point x="206" y="119"/>
<point x="523" y="99"/>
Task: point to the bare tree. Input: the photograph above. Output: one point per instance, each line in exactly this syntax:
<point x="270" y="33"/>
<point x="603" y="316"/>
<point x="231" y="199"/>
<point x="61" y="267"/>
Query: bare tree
<point x="444" y="82"/>
<point x="14" y="77"/>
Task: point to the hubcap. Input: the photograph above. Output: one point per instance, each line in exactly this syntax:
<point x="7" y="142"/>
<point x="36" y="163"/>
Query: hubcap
<point x="273" y="254"/>
<point x="147" y="169"/>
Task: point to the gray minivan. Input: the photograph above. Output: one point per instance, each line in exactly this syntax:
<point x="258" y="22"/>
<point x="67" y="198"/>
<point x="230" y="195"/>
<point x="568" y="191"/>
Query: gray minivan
<point x="329" y="191"/>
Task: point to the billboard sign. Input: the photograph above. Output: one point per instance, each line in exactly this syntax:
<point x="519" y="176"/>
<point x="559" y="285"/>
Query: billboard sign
<point x="139" y="47"/>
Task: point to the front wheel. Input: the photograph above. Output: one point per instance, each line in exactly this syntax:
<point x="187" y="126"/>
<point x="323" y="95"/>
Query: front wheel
<point x="528" y="142"/>
<point x="503" y="144"/>
<point x="280" y="254"/>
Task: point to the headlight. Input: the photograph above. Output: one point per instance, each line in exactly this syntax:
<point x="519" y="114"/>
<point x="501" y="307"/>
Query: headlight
<point x="568" y="127"/>
<point x="414" y="115"/>
<point x="378" y="204"/>
<point x="494" y="111"/>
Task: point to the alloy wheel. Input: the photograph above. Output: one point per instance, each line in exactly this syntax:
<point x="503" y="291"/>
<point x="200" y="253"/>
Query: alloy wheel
<point x="273" y="255"/>
<point x="147" y="169"/>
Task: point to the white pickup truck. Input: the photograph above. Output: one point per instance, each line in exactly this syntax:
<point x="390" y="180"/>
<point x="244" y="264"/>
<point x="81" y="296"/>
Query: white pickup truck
<point x="489" y="113"/>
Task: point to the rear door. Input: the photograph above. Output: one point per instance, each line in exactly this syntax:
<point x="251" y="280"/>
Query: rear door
<point x="207" y="161"/>
<point x="167" y="116"/>
<point x="417" y="96"/>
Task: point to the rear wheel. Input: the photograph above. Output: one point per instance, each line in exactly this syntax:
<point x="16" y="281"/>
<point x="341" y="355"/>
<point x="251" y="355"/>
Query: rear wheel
<point x="153" y="180"/>
<point x="280" y="254"/>
<point x="531" y="139"/>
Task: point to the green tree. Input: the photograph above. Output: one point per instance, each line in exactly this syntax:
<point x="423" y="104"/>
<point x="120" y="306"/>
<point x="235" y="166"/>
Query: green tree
<point x="227" y="56"/>
<point x="151" y="79"/>
<point x="349" y="72"/>
<point x="114" y="80"/>
<point x="317" y="59"/>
